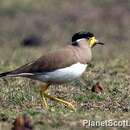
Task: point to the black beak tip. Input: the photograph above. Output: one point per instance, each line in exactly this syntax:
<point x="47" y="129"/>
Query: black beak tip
<point x="101" y="43"/>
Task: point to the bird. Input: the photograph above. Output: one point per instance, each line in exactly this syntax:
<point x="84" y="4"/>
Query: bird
<point x="60" y="66"/>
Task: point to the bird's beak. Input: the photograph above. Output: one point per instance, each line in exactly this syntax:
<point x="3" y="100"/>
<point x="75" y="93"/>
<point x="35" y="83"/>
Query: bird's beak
<point x="93" y="41"/>
<point x="98" y="42"/>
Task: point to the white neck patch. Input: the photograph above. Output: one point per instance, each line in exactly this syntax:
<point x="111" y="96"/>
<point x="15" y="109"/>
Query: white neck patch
<point x="80" y="39"/>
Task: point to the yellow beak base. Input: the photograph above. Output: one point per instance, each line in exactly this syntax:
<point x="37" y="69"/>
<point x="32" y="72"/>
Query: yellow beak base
<point x="92" y="41"/>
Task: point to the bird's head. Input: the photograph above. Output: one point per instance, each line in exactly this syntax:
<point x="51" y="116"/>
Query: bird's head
<point x="91" y="40"/>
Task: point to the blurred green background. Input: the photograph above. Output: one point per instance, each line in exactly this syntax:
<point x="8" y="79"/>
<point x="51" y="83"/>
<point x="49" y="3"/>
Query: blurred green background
<point x="55" y="21"/>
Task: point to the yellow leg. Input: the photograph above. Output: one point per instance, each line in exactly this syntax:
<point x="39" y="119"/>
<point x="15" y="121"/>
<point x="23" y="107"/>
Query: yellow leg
<point x="44" y="102"/>
<point x="67" y="104"/>
<point x="42" y="94"/>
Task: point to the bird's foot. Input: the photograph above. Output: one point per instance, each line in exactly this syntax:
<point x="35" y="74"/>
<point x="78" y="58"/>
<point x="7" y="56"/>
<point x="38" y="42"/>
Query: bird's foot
<point x="44" y="95"/>
<point x="67" y="104"/>
<point x="43" y="101"/>
<point x="43" y="90"/>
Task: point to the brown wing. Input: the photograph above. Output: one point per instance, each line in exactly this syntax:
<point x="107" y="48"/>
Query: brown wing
<point x="50" y="62"/>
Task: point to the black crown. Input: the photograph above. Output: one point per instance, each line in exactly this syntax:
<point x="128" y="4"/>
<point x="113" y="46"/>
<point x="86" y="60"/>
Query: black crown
<point x="80" y="35"/>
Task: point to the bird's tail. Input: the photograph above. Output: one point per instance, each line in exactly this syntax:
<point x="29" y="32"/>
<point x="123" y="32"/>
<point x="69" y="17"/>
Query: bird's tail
<point x="5" y="74"/>
<point x="14" y="74"/>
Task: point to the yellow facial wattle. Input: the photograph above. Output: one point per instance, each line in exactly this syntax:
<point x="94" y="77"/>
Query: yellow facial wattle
<point x="92" y="41"/>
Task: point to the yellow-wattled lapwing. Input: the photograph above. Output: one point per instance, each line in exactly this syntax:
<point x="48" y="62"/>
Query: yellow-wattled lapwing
<point x="61" y="66"/>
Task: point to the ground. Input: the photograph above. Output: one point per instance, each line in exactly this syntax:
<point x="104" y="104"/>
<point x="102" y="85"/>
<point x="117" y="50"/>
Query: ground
<point x="110" y="64"/>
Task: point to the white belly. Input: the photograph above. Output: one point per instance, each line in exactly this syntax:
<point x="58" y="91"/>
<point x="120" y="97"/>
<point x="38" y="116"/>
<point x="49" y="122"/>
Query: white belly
<point x="63" y="75"/>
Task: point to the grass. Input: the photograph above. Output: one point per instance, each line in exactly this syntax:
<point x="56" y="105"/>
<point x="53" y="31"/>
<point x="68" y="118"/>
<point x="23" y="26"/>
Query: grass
<point x="20" y="95"/>
<point x="110" y="64"/>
